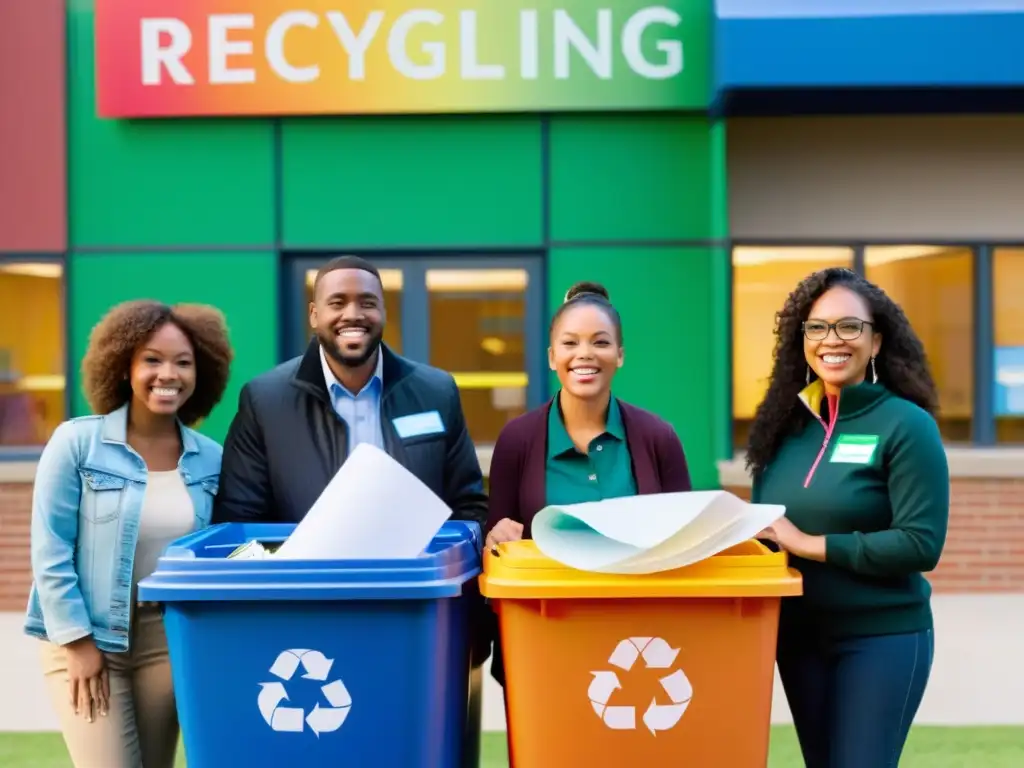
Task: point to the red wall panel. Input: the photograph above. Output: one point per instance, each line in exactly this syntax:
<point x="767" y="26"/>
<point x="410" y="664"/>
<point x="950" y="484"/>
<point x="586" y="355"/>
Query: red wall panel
<point x="33" y="161"/>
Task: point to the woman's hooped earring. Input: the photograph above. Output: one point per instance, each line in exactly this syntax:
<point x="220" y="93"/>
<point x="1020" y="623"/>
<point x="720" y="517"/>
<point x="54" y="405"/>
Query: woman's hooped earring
<point x="808" y="374"/>
<point x="874" y="373"/>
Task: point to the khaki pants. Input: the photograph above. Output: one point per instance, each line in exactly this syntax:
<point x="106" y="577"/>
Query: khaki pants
<point x="141" y="727"/>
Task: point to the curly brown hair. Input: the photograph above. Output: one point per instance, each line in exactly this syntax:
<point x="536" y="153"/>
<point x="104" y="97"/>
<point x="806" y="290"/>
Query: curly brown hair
<point x="901" y="364"/>
<point x="116" y="337"/>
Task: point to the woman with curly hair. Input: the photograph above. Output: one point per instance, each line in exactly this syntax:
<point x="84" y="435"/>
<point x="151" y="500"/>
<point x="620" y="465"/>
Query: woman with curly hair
<point x="847" y="441"/>
<point x="111" y="491"/>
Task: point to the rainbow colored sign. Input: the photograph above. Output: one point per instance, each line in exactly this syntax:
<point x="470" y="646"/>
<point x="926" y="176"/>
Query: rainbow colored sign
<point x="159" y="58"/>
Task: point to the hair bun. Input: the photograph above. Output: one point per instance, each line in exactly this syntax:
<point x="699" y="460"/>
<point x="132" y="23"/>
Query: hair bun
<point x="584" y="288"/>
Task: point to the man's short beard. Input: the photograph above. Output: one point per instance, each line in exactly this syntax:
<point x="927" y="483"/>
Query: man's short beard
<point x="349" y="361"/>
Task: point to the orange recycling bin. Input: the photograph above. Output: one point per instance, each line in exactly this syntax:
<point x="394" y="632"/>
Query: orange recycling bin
<point x="651" y="671"/>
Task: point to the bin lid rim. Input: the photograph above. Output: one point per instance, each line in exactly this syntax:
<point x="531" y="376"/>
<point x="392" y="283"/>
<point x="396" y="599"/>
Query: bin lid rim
<point x="779" y="585"/>
<point x="454" y="541"/>
<point x="184" y="559"/>
<point x="170" y="588"/>
<point x="521" y="570"/>
<point x="199" y="561"/>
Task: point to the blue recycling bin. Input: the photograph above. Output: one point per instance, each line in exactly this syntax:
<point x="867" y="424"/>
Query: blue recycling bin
<point x="321" y="662"/>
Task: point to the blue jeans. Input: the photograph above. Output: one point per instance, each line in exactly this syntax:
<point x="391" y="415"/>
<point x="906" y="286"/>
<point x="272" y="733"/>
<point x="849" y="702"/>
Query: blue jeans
<point x="853" y="700"/>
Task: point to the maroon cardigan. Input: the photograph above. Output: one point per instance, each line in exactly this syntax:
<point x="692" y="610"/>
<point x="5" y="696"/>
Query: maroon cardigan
<point x="518" y="487"/>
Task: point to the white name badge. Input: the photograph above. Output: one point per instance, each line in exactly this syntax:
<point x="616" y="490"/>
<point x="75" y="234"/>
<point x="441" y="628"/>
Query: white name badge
<point x="417" y="424"/>
<point x="854" y="449"/>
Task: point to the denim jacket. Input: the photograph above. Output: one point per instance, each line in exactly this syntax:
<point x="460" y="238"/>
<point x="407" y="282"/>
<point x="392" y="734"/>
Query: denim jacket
<point x="86" y="505"/>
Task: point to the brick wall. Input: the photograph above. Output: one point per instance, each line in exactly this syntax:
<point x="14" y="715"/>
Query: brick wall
<point x="15" y="570"/>
<point x="984" y="551"/>
<point x="985" y="546"/>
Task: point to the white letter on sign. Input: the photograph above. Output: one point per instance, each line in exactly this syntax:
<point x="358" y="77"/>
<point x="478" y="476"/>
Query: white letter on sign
<point x="673" y="49"/>
<point x="567" y="34"/>
<point x="528" y="54"/>
<point x="221" y="48"/>
<point x="355" y="45"/>
<point x="155" y="57"/>
<point x="471" y="68"/>
<point x="274" y="46"/>
<point x="396" y="46"/>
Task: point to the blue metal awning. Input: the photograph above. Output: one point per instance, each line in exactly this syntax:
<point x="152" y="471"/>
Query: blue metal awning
<point x="818" y="45"/>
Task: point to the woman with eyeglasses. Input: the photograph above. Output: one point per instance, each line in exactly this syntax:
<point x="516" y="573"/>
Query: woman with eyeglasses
<point x="846" y="439"/>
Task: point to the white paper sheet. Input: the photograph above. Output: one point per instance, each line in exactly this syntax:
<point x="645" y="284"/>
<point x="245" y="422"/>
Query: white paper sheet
<point x="726" y="521"/>
<point x="373" y="508"/>
<point x="651" y="533"/>
<point x="759" y="517"/>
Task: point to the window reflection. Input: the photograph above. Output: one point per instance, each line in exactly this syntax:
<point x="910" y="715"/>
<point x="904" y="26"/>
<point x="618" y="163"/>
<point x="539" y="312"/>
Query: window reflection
<point x="935" y="287"/>
<point x="392" y="280"/>
<point x="477" y="334"/>
<point x="762" y="280"/>
<point x="1008" y="282"/>
<point x="31" y="352"/>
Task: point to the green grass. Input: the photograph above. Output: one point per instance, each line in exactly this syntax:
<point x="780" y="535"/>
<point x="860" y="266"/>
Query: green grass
<point x="927" y="748"/>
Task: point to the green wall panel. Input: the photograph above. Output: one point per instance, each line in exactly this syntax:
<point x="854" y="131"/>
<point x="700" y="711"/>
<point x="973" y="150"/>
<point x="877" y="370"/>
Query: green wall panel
<point x="669" y="302"/>
<point x="412" y="182"/>
<point x="161" y="182"/>
<point x="718" y="167"/>
<point x="242" y="285"/>
<point x="626" y="177"/>
<point x="721" y="294"/>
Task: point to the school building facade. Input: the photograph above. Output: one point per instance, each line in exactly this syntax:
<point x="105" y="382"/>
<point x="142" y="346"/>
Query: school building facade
<point x="697" y="158"/>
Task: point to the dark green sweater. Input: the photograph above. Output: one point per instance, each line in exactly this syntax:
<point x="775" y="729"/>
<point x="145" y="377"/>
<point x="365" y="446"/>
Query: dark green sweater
<point x="876" y="485"/>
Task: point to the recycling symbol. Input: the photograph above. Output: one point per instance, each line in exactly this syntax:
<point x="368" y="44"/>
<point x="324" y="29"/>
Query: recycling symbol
<point x="657" y="654"/>
<point x="294" y="719"/>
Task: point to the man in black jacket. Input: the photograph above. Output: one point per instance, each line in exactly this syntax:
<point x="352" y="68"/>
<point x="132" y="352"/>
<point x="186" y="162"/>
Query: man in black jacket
<point x="297" y="423"/>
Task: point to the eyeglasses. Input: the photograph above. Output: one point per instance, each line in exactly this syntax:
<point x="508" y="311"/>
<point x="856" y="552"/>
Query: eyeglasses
<point x="847" y="329"/>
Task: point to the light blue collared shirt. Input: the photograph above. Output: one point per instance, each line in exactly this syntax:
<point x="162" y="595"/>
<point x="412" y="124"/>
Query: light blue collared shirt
<point x="361" y="412"/>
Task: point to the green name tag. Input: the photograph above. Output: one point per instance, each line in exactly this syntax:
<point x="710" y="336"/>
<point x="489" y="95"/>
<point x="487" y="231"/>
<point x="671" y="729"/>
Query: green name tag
<point x="854" y="449"/>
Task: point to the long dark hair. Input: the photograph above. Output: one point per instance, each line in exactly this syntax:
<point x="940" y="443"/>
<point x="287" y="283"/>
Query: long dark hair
<point x="901" y="364"/>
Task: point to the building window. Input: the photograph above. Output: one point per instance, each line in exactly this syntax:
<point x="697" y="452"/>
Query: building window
<point x="762" y="280"/>
<point x="935" y="287"/>
<point x="32" y="354"/>
<point x="480" y="318"/>
<point x="477" y="333"/>
<point x="1008" y="300"/>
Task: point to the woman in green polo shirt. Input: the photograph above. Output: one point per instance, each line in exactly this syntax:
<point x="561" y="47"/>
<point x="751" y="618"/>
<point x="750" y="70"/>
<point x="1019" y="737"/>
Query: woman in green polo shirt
<point x="845" y="439"/>
<point x="584" y="444"/>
